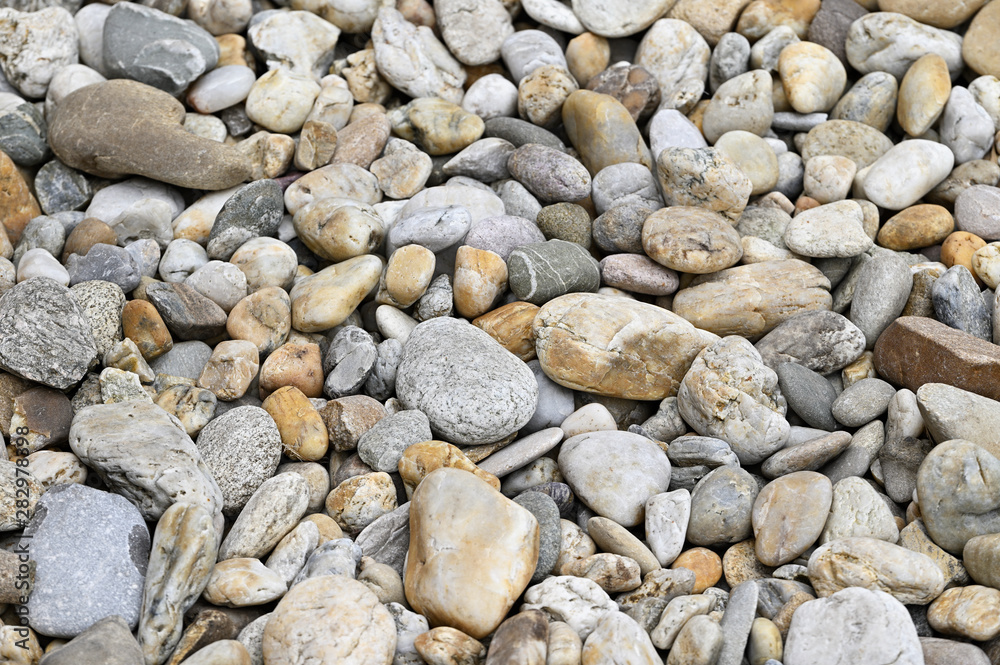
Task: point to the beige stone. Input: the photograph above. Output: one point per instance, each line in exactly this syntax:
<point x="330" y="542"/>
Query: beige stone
<point x="979" y="44"/>
<point x="858" y="510"/>
<point x="789" y="514"/>
<point x="262" y="318"/>
<point x="325" y="299"/>
<point x="565" y="646"/>
<point x="193" y="407"/>
<point x="359" y="501"/>
<point x="266" y="262"/>
<point x="940" y="15"/>
<point x="587" y="55"/>
<point x="243" y="582"/>
<point x="449" y="646"/>
<point x="438" y="126"/>
<point x="602" y="131"/>
<point x="691" y="240"/>
<point x="406" y="277"/>
<point x="347" y="418"/>
<point x="752" y="155"/>
<point x="981" y="556"/>
<point x="615" y="347"/>
<point x="972" y="612"/>
<point x="711" y="18"/>
<point x="298" y="365"/>
<point x="812" y="76"/>
<point x="454" y="518"/>
<point x="574" y="545"/>
<point x="923" y="94"/>
<point x="616" y="539"/>
<point x="914" y="537"/>
<point x="617" y="638"/>
<point x="612" y="572"/>
<point x="230" y="369"/>
<point x="338" y="229"/>
<point x="542" y="93"/>
<point x="303" y="434"/>
<point x="703" y="178"/>
<point x="480" y="278"/>
<point x="762" y="16"/>
<point x="511" y="326"/>
<point x="910" y="577"/>
<point x="740" y="564"/>
<point x="420" y="459"/>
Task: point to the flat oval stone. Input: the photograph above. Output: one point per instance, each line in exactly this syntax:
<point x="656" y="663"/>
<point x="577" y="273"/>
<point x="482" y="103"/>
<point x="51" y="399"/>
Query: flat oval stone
<point x="808" y="456"/>
<point x="891" y="42"/>
<point x="862" y="402"/>
<point x="881" y="291"/>
<point x="789" y="514"/>
<point x="743" y="102"/>
<point x="615" y="473"/>
<point x="721" y="506"/>
<point x="325" y="299"/>
<point x="549" y="174"/>
<point x="602" y="131"/>
<point x="619" y="21"/>
<point x="178" y="157"/>
<point x="574" y="335"/>
<point x="691" y="240"/>
<point x="957" y="487"/>
<point x="858" y="142"/>
<point x="533" y="276"/>
<point x="910" y="577"/>
<point x="434" y="377"/>
<point x="905" y="173"/>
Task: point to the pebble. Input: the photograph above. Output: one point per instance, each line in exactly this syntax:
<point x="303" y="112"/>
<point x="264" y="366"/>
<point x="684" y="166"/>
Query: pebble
<point x="704" y="178"/>
<point x="877" y="42"/>
<point x="919" y="163"/>
<point x="602" y="130"/>
<point x="788" y="516"/>
<point x="743" y="102"/>
<point x="691" y="240"/>
<point x="910" y="577"/>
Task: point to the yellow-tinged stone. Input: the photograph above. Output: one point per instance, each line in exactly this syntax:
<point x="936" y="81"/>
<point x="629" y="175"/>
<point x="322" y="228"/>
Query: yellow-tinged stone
<point x="480" y="278"/>
<point x="406" y="277"/>
<point x="438" y="126"/>
<point x="751" y="300"/>
<point x="691" y="240"/>
<point x="958" y="249"/>
<point x="587" y="55"/>
<point x="298" y="365"/>
<point x="359" y="501"/>
<point x="264" y="317"/>
<point x="711" y="18"/>
<point x="602" y="131"/>
<point x="812" y="75"/>
<point x="303" y="434"/>
<point x="230" y="369"/>
<point x="448" y="646"/>
<point x="17" y="205"/>
<point x="938" y="14"/>
<point x="972" y="611"/>
<point x="916" y="227"/>
<point x="542" y="92"/>
<point x="979" y="45"/>
<point x="510" y="325"/>
<point x="762" y="16"/>
<point x="328" y="528"/>
<point x="923" y="94"/>
<point x="615" y="347"/>
<point x="326" y="299"/>
<point x="704" y="563"/>
<point x="338" y="229"/>
<point x="454" y="519"/>
<point x="420" y="459"/>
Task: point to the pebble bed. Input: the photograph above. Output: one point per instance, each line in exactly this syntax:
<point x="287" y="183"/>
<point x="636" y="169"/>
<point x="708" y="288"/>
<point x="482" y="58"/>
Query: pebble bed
<point x="496" y="332"/>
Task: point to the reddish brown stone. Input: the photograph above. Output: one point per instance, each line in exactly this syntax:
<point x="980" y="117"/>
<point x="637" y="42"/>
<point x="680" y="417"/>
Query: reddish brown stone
<point x="85" y="235"/>
<point x="915" y="350"/>
<point x="17" y="205"/>
<point x="142" y="324"/>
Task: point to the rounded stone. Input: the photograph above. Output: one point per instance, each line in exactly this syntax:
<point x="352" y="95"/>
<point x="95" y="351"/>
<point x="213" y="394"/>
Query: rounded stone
<point x="691" y="240"/>
<point x="789" y="514"/>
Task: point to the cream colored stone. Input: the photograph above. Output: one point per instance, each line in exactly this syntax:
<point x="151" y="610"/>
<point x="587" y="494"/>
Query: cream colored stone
<point x="691" y="240"/>
<point x="923" y="94"/>
<point x="972" y="612"/>
<point x="480" y="278"/>
<point x="359" y="501"/>
<point x="812" y="76"/>
<point x="230" y="369"/>
<point x="243" y="582"/>
<point x="406" y="277"/>
<point x="449" y="646"/>
<point x="789" y="514"/>
<point x="420" y="459"/>
<point x="325" y="299"/>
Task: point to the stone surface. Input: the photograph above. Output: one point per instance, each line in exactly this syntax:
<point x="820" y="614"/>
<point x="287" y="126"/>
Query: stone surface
<point x="789" y="514"/>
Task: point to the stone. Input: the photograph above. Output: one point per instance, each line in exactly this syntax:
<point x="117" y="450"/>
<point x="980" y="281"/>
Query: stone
<point x="905" y="173"/>
<point x="442" y="545"/>
<point x="812" y="76"/>
<point x="979" y="556"/>
<point x="413" y="60"/>
<point x="602" y="130"/>
<point x="857" y="510"/>
<point x="152" y="143"/>
<point x="743" y="102"/>
<point x="910" y="577"/>
<point x="923" y="94"/>
<point x="809" y="456"/>
<point x="421" y="458"/>
<point x="700" y="639"/>
<point x="448" y="645"/>
<point x="433" y="377"/>
<point x="40" y="321"/>
<point x="736" y="622"/>
<point x="359" y="501"/>
<point x="822" y="341"/>
<point x="271" y="512"/>
<point x="959" y="304"/>
<point x="523" y="638"/>
<point x="882" y="289"/>
<point x="857" y="141"/>
<point x="885" y="632"/>
<point x="612" y="632"/>
<point x="325" y="299"/>
<point x="532" y="278"/>
<point x="970" y="360"/>
<point x="252" y="211"/>
<point x="975" y="212"/>
<point x="914" y="537"/>
<point x="828" y="231"/>
<point x="876" y="42"/>
<point x="788" y="516"/>
<point x="337" y="619"/>
<point x="34" y="45"/>
<point x="916" y="227"/>
<point x="23" y="138"/>
<point x="619" y="21"/>
<point x="68" y="597"/>
<point x="721" y="505"/>
<point x="587" y="369"/>
<point x="243" y="582"/>
<point x="106" y="641"/>
<point x="704" y="178"/>
<point x="186" y="312"/>
<point x="975" y="46"/>
<point x="576" y="601"/>
<point x="940" y="651"/>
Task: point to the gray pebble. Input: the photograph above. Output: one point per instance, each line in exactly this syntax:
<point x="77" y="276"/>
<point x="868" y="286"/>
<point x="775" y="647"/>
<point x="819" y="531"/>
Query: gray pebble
<point x="620" y="228"/>
<point x="549" y="530"/>
<point x="882" y="289"/>
<point x="108" y="263"/>
<point x="539" y="272"/>
<point x="958" y="303"/>
<point x="348" y="361"/>
<point x="59" y="188"/>
<point x="23" y="132"/>
<point x="701" y="450"/>
<point x="863" y="402"/>
<point x="549" y="174"/>
<point x="503" y="234"/>
<point x="821" y="341"/>
<point x="627" y="183"/>
<point x="517" y="200"/>
<point x="382" y="446"/>
<point x="721" y="505"/>
<point x="731" y="57"/>
<point x="254" y="211"/>
<point x="436" y="228"/>
<point x="521" y="132"/>
<point x="808" y="394"/>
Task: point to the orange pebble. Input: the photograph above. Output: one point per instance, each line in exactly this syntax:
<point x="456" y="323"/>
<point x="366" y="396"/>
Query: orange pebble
<point x="704" y="563"/>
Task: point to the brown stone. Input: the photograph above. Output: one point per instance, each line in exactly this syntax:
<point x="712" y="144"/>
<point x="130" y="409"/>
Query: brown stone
<point x="587" y="55"/>
<point x="208" y="627"/>
<point x="922" y="94"/>
<point x="298" y="365"/>
<point x="347" y="418"/>
<point x="17" y="205"/>
<point x="915" y="350"/>
<point x="46" y="413"/>
<point x="362" y="141"/>
<point x="449" y="646"/>
<point x="521" y="639"/>
<point x="691" y="240"/>
<point x="602" y="130"/>
<point x="704" y="563"/>
<point x="263" y="317"/>
<point x="10" y="387"/>
<point x="123" y="127"/>
<point x="979" y="46"/>
<point x="916" y="227"/>
<point x="762" y="16"/>
<point x="420" y="459"/>
<point x="510" y="325"/>
<point x="91" y="231"/>
<point x="632" y="85"/>
<point x="142" y="324"/>
<point x="958" y="248"/>
<point x="303" y="434"/>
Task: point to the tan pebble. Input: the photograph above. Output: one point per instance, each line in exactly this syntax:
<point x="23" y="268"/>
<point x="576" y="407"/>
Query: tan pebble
<point x="266" y="262"/>
<point x="438" y="126"/>
<point x="789" y="514"/>
<point x="338" y="229"/>
<point x="711" y="19"/>
<point x="91" y="231"/>
<point x="17" y="204"/>
<point x="762" y="16"/>
<point x="958" y="249"/>
<point x="298" y="365"/>
<point x="420" y="459"/>
<point x="402" y="172"/>
<point x="303" y="434"/>
<point x="704" y="563"/>
<point x="972" y="612"/>
<point x="449" y="646"/>
<point x="616" y="539"/>
<point x="923" y="94"/>
<point x="612" y="572"/>
<point x="480" y="278"/>
<point x="916" y="227"/>
<point x="193" y="406"/>
<point x="328" y="527"/>
<point x="542" y="93"/>
<point x="765" y="642"/>
<point x="812" y="76"/>
<point x="262" y="318"/>
<point x="828" y="178"/>
<point x="587" y="55"/>
<point x="326" y="299"/>
<point x="740" y="564"/>
<point x="363" y="78"/>
<point x="862" y="368"/>
<point x="233" y="51"/>
<point x="317" y="144"/>
<point x="347" y="418"/>
<point x="602" y="131"/>
<point x="143" y="325"/>
<point x="752" y="155"/>
<point x="230" y="369"/>
<point x="362" y="141"/>
<point x="406" y="277"/>
<point x="359" y="501"/>
<point x="691" y="240"/>
<point x="979" y="43"/>
<point x="565" y="646"/>
<point x="270" y="154"/>
<point x="510" y="325"/>
<point x="574" y="545"/>
<point x="783" y="619"/>
<point x="382" y="579"/>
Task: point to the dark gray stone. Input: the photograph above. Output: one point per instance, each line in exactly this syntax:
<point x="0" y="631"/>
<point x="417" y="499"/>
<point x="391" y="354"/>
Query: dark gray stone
<point x="808" y="394"/>
<point x="155" y="48"/>
<point x="91" y="549"/>
<point x="44" y="334"/>
<point x="880" y="293"/>
<point x="23" y="134"/>
<point x="900" y="459"/>
<point x="546" y="512"/>
<point x="958" y="303"/>
<point x="59" y="188"/>
<point x="254" y="211"/>
<point x="348" y="361"/>
<point x="862" y="402"/>
<point x="835" y="268"/>
<point x="472" y="390"/>
<point x="107" y="263"/>
<point x="381" y="383"/>
<point x="187" y="313"/>
<point x="830" y="25"/>
<point x="561" y="494"/>
<point x="242" y="449"/>
<point x="539" y="272"/>
<point x="773" y="593"/>
<point x="859" y="454"/>
<point x="521" y="132"/>
<point x="821" y="341"/>
<point x="382" y="446"/>
<point x="620" y="228"/>
<point x="107" y="642"/>
<point x="721" y="505"/>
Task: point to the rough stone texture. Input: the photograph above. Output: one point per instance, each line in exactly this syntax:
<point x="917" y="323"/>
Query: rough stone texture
<point x="90" y="548"/>
<point x="107" y="642"/>
<point x="453" y="517"/>
<point x="881" y="631"/>
<point x="615" y="347"/>
<point x="139" y="131"/>
<point x="44" y="334"/>
<point x="721" y="505"/>
<point x="473" y="390"/>
<point x="915" y="350"/>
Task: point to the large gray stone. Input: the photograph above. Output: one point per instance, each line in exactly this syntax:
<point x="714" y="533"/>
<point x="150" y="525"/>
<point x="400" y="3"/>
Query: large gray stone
<point x="882" y="289"/>
<point x="472" y="390"/>
<point x="822" y="341"/>
<point x="107" y="642"/>
<point x="91" y="549"/>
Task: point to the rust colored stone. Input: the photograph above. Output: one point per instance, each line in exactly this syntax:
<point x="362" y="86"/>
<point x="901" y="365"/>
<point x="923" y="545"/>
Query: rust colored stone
<point x="142" y="324"/>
